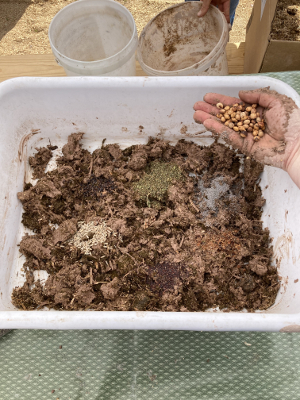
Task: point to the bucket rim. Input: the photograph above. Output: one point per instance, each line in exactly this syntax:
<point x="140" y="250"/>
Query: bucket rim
<point x="205" y="61"/>
<point x="88" y="63"/>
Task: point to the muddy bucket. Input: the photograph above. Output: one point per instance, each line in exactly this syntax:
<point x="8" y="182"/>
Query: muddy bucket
<point x="178" y="42"/>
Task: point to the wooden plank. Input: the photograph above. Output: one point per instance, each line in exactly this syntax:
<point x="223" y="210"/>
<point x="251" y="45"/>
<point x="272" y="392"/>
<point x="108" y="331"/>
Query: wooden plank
<point x="235" y="57"/>
<point x="29" y="65"/>
<point x="45" y="64"/>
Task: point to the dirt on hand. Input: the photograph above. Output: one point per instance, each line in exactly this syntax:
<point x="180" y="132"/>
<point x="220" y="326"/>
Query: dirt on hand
<point x="109" y="240"/>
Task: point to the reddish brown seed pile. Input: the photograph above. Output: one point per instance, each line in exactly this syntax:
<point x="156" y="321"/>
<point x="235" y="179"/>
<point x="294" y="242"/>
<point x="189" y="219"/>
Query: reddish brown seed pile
<point x="163" y="276"/>
<point x="243" y="119"/>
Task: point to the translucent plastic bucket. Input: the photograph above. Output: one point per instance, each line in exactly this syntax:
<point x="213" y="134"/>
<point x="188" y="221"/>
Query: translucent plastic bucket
<point x="94" y="37"/>
<point x="178" y="42"/>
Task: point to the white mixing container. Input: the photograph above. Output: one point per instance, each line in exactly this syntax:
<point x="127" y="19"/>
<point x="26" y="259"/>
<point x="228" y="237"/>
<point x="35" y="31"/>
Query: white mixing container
<point x="36" y="111"/>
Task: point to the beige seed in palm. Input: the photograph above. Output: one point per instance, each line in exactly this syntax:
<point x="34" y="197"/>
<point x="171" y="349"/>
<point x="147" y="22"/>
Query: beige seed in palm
<point x="233" y="114"/>
<point x="234" y="109"/>
<point x="257" y="115"/>
<point x="231" y="125"/>
<point x="256" y="138"/>
<point x="227" y="108"/>
<point x="239" y="108"/>
<point x="220" y="105"/>
<point x="229" y="112"/>
<point x="235" y="128"/>
<point x="247" y="122"/>
<point x="254" y="105"/>
<point x="251" y="124"/>
<point x="222" y="111"/>
<point x="242" y="134"/>
<point x="219" y="116"/>
<point x="249" y="129"/>
<point x="223" y="119"/>
<point x="238" y="117"/>
<point x="256" y="126"/>
<point x="233" y="119"/>
<point x="260" y="133"/>
<point x="226" y="116"/>
<point x="239" y="123"/>
<point x="248" y="109"/>
<point x="255" y="133"/>
<point x="252" y="116"/>
<point x="258" y="119"/>
<point x="226" y="123"/>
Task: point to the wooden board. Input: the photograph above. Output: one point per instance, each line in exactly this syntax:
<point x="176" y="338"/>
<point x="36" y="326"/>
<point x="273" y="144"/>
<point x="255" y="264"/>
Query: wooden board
<point x="45" y="64"/>
<point x="235" y="57"/>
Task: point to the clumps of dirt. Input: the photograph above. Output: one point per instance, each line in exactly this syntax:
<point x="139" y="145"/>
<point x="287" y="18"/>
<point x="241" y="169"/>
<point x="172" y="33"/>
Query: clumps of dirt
<point x="286" y="22"/>
<point x="40" y="160"/>
<point x="151" y="227"/>
<point x="170" y="44"/>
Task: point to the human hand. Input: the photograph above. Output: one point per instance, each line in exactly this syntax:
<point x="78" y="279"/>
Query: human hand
<point x="280" y="145"/>
<point x="223" y="5"/>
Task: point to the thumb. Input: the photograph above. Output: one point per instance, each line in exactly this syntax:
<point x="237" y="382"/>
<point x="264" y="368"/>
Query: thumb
<point x="204" y="8"/>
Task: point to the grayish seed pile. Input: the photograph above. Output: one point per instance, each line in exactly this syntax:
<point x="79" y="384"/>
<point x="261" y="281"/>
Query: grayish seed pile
<point x="207" y="200"/>
<point x="89" y="235"/>
<point x="209" y="195"/>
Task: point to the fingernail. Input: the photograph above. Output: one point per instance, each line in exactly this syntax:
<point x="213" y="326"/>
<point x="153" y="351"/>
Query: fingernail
<point x="199" y="14"/>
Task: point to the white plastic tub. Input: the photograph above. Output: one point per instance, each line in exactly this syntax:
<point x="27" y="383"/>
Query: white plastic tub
<point x="94" y="37"/>
<point x="36" y="110"/>
<point x="176" y="42"/>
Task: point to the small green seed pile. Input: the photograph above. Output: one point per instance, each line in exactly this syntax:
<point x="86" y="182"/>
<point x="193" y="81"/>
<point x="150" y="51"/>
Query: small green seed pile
<point x="243" y="119"/>
<point x="155" y="184"/>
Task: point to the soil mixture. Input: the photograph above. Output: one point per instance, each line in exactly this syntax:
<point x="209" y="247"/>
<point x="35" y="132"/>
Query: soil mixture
<point x="286" y="22"/>
<point x="152" y="227"/>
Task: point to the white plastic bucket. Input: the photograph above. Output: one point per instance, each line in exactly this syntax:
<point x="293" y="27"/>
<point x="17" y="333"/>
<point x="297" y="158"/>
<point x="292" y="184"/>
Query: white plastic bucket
<point x="94" y="37"/>
<point x="178" y="42"/>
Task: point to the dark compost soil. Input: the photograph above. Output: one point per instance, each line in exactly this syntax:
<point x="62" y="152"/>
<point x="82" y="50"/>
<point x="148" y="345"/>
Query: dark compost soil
<point x="151" y="227"/>
<point x="286" y="22"/>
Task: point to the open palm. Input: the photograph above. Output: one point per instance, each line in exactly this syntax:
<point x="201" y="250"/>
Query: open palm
<point x="280" y="146"/>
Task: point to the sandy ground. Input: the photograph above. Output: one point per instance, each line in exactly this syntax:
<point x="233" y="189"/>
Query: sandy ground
<point x="24" y="23"/>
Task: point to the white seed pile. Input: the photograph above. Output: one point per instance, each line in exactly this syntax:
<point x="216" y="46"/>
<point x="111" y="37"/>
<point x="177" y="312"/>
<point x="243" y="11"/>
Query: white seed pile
<point x="243" y="119"/>
<point x="89" y="235"/>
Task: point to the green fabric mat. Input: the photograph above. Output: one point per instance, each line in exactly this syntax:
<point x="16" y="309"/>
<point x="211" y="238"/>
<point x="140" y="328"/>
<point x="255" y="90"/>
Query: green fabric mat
<point x="151" y="365"/>
<point x="146" y="365"/>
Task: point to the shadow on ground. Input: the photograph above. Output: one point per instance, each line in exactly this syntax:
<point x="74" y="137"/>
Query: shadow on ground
<point x="10" y="13"/>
